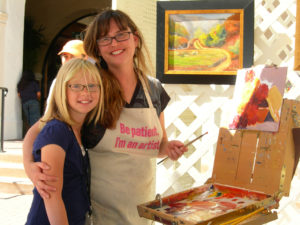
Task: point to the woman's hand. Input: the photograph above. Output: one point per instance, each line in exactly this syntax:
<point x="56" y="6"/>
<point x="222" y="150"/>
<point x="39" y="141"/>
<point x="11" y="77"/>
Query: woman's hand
<point x="38" y="178"/>
<point x="174" y="149"/>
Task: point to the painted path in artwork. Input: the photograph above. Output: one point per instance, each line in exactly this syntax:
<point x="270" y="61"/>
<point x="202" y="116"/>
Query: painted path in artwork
<point x="225" y="64"/>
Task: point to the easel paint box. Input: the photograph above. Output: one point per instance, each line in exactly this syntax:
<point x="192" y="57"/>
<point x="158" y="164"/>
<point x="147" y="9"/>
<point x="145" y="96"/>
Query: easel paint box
<point x="252" y="171"/>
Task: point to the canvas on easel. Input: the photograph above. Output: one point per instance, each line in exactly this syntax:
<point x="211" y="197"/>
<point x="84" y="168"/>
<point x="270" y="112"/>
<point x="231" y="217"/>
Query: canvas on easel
<point x="258" y="97"/>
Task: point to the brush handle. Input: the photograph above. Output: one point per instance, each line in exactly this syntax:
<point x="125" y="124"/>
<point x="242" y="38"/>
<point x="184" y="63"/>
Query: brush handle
<point x="191" y="142"/>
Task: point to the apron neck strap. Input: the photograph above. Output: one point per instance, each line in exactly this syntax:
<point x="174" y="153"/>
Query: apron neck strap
<point x="146" y="91"/>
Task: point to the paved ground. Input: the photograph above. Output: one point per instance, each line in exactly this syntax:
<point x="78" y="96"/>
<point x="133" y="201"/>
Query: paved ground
<point x="14" y="204"/>
<point x="14" y="208"/>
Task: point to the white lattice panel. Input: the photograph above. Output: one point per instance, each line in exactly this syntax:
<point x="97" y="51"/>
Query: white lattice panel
<point x="194" y="109"/>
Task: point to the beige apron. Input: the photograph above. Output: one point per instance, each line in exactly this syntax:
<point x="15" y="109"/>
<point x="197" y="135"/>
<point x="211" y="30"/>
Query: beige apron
<point x="123" y="166"/>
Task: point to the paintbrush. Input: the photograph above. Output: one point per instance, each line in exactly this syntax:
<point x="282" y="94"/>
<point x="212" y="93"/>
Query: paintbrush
<point x="242" y="218"/>
<point x="191" y="142"/>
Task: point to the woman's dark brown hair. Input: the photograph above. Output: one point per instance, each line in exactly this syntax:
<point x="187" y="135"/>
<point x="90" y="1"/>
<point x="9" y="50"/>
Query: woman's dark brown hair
<point x="99" y="27"/>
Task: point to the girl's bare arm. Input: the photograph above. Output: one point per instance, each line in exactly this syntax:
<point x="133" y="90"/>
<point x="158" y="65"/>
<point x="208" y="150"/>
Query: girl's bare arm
<point x="34" y="170"/>
<point x="54" y="156"/>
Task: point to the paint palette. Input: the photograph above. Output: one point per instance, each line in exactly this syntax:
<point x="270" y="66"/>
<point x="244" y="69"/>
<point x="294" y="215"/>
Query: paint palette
<point x="252" y="171"/>
<point x="207" y="202"/>
<point x="215" y="201"/>
<point x="204" y="204"/>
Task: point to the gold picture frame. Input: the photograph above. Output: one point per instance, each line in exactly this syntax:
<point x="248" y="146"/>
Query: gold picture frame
<point x="201" y="42"/>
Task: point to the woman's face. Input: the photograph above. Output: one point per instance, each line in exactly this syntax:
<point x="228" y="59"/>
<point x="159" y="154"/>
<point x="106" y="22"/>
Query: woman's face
<point x="118" y="53"/>
<point x="83" y="94"/>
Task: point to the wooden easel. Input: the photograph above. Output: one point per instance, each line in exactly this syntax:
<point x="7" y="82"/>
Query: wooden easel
<point x="261" y="161"/>
<point x="253" y="161"/>
<point x="258" y="160"/>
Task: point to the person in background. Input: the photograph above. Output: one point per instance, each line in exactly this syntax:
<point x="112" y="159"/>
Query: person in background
<point x="77" y="98"/>
<point x="71" y="49"/>
<point x="122" y="148"/>
<point x="29" y="91"/>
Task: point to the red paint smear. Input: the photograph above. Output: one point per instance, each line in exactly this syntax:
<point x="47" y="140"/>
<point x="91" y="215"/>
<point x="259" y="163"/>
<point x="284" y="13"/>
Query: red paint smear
<point x="226" y="195"/>
<point x="203" y="204"/>
<point x="228" y="192"/>
<point x="189" y="194"/>
<point x="241" y="192"/>
<point x="228" y="205"/>
<point x="177" y="204"/>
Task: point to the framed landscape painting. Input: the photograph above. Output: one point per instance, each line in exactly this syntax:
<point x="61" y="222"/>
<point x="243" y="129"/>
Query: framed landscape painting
<point x="203" y="42"/>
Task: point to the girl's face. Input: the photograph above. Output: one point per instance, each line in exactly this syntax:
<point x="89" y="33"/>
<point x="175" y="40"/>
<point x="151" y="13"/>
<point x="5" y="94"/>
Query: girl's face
<point x="82" y="95"/>
<point x="118" y="53"/>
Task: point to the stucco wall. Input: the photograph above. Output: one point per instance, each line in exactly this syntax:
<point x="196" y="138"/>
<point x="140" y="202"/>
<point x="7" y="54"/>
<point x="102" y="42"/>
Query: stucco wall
<point x="3" y="20"/>
<point x="12" y="56"/>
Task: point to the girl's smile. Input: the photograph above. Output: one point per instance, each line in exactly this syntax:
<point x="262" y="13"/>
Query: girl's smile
<point x="81" y="100"/>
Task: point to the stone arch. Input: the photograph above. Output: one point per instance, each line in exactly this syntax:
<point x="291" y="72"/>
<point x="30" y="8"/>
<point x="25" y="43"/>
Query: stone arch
<point x="58" y="17"/>
<point x="51" y="62"/>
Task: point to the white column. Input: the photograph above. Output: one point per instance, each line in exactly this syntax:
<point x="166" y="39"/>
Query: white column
<point x="3" y="20"/>
<point x="11" y="55"/>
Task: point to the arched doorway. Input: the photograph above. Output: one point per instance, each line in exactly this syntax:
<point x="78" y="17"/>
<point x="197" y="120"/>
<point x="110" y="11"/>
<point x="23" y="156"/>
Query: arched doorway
<point x="52" y="62"/>
<point x="62" y="20"/>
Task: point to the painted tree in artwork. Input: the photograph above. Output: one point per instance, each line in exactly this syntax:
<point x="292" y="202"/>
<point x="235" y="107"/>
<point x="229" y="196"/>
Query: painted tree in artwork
<point x="178" y="35"/>
<point x="215" y="38"/>
<point x="232" y="27"/>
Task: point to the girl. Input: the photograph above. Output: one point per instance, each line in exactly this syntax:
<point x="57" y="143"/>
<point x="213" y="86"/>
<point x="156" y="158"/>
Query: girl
<point x="77" y="98"/>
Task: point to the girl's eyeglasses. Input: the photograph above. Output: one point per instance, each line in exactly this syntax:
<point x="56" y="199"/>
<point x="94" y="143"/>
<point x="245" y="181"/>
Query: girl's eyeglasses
<point x="119" y="37"/>
<point x="80" y="87"/>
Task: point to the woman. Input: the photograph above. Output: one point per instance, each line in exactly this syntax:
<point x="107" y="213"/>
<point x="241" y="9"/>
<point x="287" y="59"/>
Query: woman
<point x="77" y="99"/>
<point x="124" y="147"/>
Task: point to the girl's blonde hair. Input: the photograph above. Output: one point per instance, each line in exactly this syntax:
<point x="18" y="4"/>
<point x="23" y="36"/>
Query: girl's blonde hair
<point x="58" y="104"/>
<point x="100" y="27"/>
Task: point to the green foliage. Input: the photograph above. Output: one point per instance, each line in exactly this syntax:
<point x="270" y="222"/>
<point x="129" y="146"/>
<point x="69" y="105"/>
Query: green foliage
<point x="33" y="41"/>
<point x="215" y="38"/>
<point x="235" y="48"/>
<point x="198" y="32"/>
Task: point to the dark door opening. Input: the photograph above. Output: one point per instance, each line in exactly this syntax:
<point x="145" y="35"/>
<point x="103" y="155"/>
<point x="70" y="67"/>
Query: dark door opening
<point x="52" y="61"/>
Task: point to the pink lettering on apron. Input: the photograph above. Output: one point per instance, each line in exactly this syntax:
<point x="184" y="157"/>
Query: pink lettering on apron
<point x="123" y="166"/>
